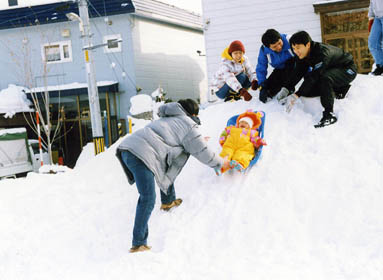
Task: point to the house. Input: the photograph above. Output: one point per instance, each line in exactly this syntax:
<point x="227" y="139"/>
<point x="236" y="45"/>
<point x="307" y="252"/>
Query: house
<point x="339" y="22"/>
<point x="147" y="44"/>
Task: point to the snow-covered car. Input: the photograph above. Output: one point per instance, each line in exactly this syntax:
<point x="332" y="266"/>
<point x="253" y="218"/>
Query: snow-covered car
<point x="35" y="154"/>
<point x="15" y="156"/>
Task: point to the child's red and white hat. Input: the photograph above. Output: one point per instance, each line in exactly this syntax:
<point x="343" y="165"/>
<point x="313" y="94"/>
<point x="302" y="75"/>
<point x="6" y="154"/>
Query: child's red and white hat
<point x="253" y="119"/>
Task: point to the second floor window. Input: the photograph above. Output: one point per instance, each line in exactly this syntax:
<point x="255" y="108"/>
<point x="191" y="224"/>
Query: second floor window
<point x="12" y="3"/>
<point x="57" y="52"/>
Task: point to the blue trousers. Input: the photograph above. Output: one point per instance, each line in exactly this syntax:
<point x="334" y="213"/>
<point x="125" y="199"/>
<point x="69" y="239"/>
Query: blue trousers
<point x="242" y="79"/>
<point x="146" y="188"/>
<point x="375" y="41"/>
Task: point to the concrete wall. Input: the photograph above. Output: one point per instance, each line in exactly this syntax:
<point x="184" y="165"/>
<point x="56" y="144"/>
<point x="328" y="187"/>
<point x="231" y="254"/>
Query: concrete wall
<point x="165" y="55"/>
<point x="248" y="20"/>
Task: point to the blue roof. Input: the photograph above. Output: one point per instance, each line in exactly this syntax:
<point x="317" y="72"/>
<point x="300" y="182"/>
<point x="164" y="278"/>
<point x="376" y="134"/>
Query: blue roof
<point x="52" y="13"/>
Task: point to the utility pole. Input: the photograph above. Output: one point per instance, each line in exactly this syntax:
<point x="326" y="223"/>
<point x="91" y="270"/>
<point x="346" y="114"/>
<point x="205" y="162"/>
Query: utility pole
<point x="94" y="102"/>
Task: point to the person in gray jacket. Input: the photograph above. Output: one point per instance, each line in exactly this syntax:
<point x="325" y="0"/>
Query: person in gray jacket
<point x="157" y="153"/>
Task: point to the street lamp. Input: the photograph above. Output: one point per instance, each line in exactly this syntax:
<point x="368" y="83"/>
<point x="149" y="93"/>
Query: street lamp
<point x="94" y="102"/>
<point x="76" y="17"/>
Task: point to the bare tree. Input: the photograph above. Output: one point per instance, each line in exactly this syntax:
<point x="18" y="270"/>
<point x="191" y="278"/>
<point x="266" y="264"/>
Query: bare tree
<point x="41" y="100"/>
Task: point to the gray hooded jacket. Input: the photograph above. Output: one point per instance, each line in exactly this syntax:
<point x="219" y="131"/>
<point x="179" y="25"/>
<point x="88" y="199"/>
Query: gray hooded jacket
<point x="376" y="9"/>
<point x="166" y="144"/>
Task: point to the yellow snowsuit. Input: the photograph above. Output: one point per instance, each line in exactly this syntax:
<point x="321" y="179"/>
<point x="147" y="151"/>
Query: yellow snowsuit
<point x="238" y="145"/>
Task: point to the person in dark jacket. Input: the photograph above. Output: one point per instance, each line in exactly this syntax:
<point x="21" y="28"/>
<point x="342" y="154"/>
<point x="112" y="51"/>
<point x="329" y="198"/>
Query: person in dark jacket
<point x="275" y="51"/>
<point x="157" y="153"/>
<point x="332" y="71"/>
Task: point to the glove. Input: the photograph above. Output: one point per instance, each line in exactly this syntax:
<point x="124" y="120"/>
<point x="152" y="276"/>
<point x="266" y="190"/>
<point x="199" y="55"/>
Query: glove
<point x="281" y="95"/>
<point x="260" y="142"/>
<point x="246" y="95"/>
<point x="290" y="101"/>
<point x="263" y="94"/>
<point x="254" y="85"/>
<point x="370" y="22"/>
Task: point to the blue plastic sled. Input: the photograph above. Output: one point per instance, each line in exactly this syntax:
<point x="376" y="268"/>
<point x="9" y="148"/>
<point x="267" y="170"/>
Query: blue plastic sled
<point x="261" y="133"/>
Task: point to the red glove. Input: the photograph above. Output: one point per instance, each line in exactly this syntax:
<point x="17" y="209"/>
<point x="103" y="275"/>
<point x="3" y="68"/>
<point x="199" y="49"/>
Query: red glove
<point x="370" y="22"/>
<point x="254" y="85"/>
<point x="260" y="142"/>
<point x="246" y="95"/>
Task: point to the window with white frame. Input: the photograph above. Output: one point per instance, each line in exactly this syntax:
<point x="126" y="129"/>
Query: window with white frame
<point x="12" y="3"/>
<point x="113" y="43"/>
<point x="57" y="52"/>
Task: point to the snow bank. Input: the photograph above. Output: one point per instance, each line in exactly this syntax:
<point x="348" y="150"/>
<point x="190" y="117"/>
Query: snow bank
<point x="311" y="208"/>
<point x="13" y="100"/>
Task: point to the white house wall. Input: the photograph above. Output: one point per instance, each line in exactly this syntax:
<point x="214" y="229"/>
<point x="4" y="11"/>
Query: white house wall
<point x="244" y="20"/>
<point x="166" y="55"/>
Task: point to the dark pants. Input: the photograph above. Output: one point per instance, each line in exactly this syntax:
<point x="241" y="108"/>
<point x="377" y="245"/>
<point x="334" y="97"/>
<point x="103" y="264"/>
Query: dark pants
<point x="332" y="81"/>
<point x="242" y="78"/>
<point x="278" y="78"/>
<point x="146" y="187"/>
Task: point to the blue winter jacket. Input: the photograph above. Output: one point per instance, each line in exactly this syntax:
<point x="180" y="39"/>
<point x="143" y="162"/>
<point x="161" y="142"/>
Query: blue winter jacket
<point x="276" y="60"/>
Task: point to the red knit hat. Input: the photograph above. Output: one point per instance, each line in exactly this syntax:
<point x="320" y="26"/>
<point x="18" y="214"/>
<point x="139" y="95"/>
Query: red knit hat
<point x="236" y="46"/>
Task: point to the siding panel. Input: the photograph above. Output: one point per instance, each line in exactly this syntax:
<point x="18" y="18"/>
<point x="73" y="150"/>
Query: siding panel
<point x="248" y="20"/>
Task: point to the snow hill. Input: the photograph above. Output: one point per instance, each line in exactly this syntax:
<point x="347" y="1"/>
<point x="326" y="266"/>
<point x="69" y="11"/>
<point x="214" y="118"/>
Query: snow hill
<point x="311" y="208"/>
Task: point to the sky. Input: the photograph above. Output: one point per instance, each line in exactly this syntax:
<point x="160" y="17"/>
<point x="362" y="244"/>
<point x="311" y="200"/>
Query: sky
<point x="311" y="208"/>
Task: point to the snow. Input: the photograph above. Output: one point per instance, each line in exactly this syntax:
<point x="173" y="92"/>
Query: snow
<point x="140" y="104"/>
<point x="12" y="130"/>
<point x="13" y="100"/>
<point x="70" y="86"/>
<point x="327" y="1"/>
<point x="311" y="208"/>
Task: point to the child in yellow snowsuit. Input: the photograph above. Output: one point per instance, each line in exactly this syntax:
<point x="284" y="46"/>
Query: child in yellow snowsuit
<point x="238" y="141"/>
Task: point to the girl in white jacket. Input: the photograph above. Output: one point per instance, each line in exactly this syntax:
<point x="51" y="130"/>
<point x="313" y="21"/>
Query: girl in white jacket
<point x="235" y="75"/>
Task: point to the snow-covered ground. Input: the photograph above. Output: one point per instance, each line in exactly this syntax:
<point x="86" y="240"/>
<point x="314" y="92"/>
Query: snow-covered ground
<point x="311" y="208"/>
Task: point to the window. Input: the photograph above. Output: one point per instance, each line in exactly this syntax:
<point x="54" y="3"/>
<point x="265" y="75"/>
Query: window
<point x="12" y="3"/>
<point x="113" y="43"/>
<point x="57" y="52"/>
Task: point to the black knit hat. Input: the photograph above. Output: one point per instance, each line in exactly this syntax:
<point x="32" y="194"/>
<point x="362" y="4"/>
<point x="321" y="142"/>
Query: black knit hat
<point x="190" y="106"/>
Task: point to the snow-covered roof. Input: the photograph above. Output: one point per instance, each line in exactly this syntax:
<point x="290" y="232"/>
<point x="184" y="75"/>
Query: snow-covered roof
<point x="75" y="88"/>
<point x="12" y="130"/>
<point x="56" y="12"/>
<point x="328" y="1"/>
<point x="168" y="13"/>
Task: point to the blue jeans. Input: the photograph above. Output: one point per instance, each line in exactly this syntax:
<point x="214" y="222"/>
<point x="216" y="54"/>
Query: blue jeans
<point x="375" y="41"/>
<point x="242" y="79"/>
<point x="146" y="188"/>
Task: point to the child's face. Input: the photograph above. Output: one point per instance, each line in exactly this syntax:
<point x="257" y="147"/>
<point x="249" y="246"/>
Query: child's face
<point x="243" y="124"/>
<point x="237" y="56"/>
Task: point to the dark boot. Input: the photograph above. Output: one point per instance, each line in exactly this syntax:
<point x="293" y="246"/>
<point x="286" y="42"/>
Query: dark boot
<point x="263" y="95"/>
<point x="341" y="92"/>
<point x="327" y="119"/>
<point x="378" y="70"/>
<point x="232" y="96"/>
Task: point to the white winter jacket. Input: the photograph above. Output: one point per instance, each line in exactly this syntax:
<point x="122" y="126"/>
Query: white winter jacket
<point x="229" y="69"/>
<point x="376" y="9"/>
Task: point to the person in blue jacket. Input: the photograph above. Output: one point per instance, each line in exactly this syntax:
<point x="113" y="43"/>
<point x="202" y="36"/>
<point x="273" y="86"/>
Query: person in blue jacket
<point x="275" y="51"/>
